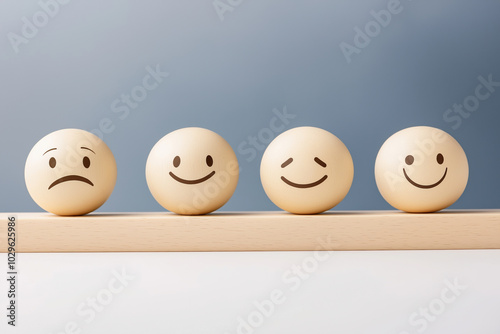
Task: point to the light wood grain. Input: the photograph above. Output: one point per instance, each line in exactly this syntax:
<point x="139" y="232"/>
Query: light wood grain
<point x="254" y="231"/>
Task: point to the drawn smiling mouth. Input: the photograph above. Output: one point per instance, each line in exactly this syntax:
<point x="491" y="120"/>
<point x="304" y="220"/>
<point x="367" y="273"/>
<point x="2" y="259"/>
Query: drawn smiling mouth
<point x="301" y="185"/>
<point x="181" y="180"/>
<point x="71" y="178"/>
<point x="424" y="186"/>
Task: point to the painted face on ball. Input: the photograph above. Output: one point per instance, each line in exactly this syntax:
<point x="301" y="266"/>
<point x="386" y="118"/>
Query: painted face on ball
<point x="421" y="169"/>
<point x="306" y="170"/>
<point x="70" y="172"/>
<point x="304" y="185"/>
<point x="86" y="161"/>
<point x="409" y="161"/>
<point x="177" y="162"/>
<point x="192" y="171"/>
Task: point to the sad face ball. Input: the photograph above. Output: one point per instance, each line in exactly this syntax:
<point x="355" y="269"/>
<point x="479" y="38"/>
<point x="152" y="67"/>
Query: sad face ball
<point x="70" y="172"/>
<point x="192" y="171"/>
<point x="306" y="170"/>
<point x="421" y="169"/>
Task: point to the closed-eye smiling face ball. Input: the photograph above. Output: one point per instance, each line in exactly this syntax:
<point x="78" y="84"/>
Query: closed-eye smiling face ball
<point x="306" y="170"/>
<point x="192" y="171"/>
<point x="421" y="169"/>
<point x="70" y="172"/>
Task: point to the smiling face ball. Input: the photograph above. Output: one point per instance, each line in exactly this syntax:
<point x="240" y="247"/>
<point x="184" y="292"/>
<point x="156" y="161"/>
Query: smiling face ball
<point x="70" y="172"/>
<point x="421" y="169"/>
<point x="192" y="171"/>
<point x="306" y="170"/>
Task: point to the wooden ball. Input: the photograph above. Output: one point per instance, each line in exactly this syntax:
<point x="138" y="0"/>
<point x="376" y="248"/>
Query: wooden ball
<point x="192" y="171"/>
<point x="70" y="172"/>
<point x="306" y="170"/>
<point x="421" y="169"/>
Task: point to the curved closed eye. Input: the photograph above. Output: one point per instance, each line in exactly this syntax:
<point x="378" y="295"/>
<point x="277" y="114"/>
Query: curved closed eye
<point x="320" y="162"/>
<point x="286" y="163"/>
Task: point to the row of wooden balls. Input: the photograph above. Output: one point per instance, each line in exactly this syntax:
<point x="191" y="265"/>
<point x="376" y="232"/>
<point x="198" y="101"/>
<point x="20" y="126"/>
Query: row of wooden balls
<point x="192" y="171"/>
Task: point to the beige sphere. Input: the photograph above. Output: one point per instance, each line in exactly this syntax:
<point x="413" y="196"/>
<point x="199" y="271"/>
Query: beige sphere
<point x="192" y="171"/>
<point x="70" y="172"/>
<point x="421" y="169"/>
<point x="306" y="170"/>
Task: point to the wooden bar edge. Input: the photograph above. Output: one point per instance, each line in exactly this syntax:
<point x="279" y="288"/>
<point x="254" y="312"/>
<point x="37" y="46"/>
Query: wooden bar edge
<point x="254" y="231"/>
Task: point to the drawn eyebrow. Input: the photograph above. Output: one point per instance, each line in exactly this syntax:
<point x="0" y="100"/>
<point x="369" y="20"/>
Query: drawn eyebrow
<point x="320" y="162"/>
<point x="86" y="148"/>
<point x="286" y="163"/>
<point x="50" y="150"/>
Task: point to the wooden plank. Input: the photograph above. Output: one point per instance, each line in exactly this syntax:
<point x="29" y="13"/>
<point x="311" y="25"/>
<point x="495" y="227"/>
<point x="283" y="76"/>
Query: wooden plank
<point x="254" y="231"/>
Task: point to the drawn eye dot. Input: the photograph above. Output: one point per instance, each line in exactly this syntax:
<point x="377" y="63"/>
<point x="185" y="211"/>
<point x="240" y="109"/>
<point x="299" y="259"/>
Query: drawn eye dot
<point x="210" y="161"/>
<point x="440" y="158"/>
<point x="86" y="162"/>
<point x="409" y="159"/>
<point x="177" y="161"/>
<point x="52" y="162"/>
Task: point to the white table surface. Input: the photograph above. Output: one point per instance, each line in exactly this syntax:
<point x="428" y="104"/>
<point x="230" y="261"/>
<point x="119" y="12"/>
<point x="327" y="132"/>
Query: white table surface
<point x="390" y="292"/>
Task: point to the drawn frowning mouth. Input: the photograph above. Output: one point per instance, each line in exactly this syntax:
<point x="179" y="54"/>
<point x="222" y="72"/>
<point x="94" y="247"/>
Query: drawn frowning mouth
<point x="71" y="178"/>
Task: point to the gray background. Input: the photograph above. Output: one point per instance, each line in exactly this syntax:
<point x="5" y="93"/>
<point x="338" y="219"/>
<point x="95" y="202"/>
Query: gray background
<point x="228" y="75"/>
